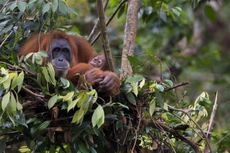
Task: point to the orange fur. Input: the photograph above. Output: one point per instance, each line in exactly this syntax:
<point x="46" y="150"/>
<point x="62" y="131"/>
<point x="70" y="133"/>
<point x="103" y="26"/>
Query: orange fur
<point x="81" y="54"/>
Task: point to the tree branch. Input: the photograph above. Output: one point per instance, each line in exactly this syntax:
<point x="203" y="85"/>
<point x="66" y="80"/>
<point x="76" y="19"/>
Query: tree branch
<point x="96" y="26"/>
<point x="105" y="40"/>
<point x="108" y="22"/>
<point x="157" y="124"/>
<point x="177" y="86"/>
<point x="211" y="122"/>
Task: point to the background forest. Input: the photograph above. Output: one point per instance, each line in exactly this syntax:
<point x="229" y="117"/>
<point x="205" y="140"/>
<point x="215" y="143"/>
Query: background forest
<point x="181" y="55"/>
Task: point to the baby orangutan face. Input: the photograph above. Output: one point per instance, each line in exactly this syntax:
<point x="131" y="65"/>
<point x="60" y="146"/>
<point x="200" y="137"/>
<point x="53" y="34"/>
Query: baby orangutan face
<point x="98" y="62"/>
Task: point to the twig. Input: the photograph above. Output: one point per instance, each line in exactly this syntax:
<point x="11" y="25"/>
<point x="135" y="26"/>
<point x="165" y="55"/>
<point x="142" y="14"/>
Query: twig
<point x="177" y="86"/>
<point x="211" y="122"/>
<point x="95" y="27"/>
<point x="108" y="22"/>
<point x="4" y="5"/>
<point x="197" y="125"/>
<point x="105" y="40"/>
<point x="5" y="39"/>
<point x="137" y="129"/>
<point x="32" y="93"/>
<point x="176" y="134"/>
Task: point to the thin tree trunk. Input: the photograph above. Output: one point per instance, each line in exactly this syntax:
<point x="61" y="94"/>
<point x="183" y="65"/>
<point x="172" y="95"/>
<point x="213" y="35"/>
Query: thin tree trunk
<point x="129" y="37"/>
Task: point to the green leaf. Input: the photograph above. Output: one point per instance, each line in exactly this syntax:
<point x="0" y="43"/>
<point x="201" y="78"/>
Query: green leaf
<point x="135" y="88"/>
<point x="51" y="73"/>
<point x="92" y="96"/>
<point x="52" y="101"/>
<point x="65" y="83"/>
<point x="131" y="98"/>
<point x="45" y="8"/>
<point x="73" y="103"/>
<point x="7" y="83"/>
<point x="13" y="6"/>
<point x="44" y="125"/>
<point x="210" y="13"/>
<point x="168" y="83"/>
<point x="5" y="100"/>
<point x="62" y="8"/>
<point x="22" y="6"/>
<point x="19" y="106"/>
<point x="12" y="106"/>
<point x="152" y="106"/>
<point x="177" y="11"/>
<point x="83" y="100"/>
<point x="78" y="116"/>
<point x="160" y="87"/>
<point x="13" y="77"/>
<point x="46" y="74"/>
<point x="42" y="54"/>
<point x="24" y="149"/>
<point x="20" y="80"/>
<point x="54" y="5"/>
<point x="136" y="81"/>
<point x="68" y="96"/>
<point x="166" y="107"/>
<point x="98" y="117"/>
<point x="142" y="83"/>
<point x="5" y="74"/>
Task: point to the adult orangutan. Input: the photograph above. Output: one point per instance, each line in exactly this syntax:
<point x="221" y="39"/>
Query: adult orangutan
<point x="69" y="55"/>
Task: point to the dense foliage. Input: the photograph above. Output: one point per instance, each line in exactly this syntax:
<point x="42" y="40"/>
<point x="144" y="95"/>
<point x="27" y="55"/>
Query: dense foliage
<point x="154" y="111"/>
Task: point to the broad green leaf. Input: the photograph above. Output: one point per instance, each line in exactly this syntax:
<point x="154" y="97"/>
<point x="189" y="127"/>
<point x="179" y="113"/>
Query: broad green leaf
<point x="131" y="98"/>
<point x="13" y="76"/>
<point x="12" y="106"/>
<point x="46" y="74"/>
<point x="26" y="58"/>
<point x="210" y="13"/>
<point x="136" y="81"/>
<point x="177" y="11"/>
<point x="52" y="101"/>
<point x="24" y="149"/>
<point x="98" y="117"/>
<point x="22" y="6"/>
<point x="135" y="88"/>
<point x="51" y="73"/>
<point x="20" y="80"/>
<point x="78" y="116"/>
<point x="54" y="5"/>
<point x="160" y="87"/>
<point x="93" y="96"/>
<point x="5" y="74"/>
<point x="68" y="96"/>
<point x="166" y="107"/>
<point x="73" y="103"/>
<point x="83" y="100"/>
<point x="44" y="125"/>
<point x="13" y="6"/>
<point x="45" y="8"/>
<point x="65" y="83"/>
<point x="19" y="106"/>
<point x="142" y="83"/>
<point x="7" y="83"/>
<point x="42" y="54"/>
<point x="152" y="107"/>
<point x="37" y="59"/>
<point x="62" y="8"/>
<point x="169" y="83"/>
<point x="5" y="100"/>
